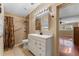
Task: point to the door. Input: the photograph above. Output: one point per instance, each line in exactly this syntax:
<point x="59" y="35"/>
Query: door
<point x="76" y="36"/>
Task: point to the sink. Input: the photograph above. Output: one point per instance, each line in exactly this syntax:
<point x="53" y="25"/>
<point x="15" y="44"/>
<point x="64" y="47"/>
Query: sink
<point x="42" y="36"/>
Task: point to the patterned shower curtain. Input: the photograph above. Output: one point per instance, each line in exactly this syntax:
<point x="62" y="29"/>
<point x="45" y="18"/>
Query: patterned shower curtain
<point x="9" y="40"/>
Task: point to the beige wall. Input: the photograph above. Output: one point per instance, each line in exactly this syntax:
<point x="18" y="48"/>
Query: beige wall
<point x="54" y="28"/>
<point x="26" y="22"/>
<point x="32" y="23"/>
<point x="18" y="27"/>
<point x="66" y="33"/>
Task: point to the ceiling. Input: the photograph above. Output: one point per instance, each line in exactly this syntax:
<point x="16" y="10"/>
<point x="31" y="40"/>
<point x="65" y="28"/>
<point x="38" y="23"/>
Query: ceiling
<point x="20" y="9"/>
<point x="69" y="10"/>
<point x="69" y="13"/>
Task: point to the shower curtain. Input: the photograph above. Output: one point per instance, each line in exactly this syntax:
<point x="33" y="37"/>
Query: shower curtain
<point x="9" y="40"/>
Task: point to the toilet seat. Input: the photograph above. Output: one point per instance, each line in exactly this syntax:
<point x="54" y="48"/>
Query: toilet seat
<point x="25" y="41"/>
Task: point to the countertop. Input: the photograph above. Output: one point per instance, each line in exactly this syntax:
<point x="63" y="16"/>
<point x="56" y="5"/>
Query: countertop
<point x="42" y="36"/>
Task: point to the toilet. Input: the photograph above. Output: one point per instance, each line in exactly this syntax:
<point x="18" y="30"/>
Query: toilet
<point x="25" y="43"/>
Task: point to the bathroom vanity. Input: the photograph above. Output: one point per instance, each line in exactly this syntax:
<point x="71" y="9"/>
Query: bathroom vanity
<point x="40" y="45"/>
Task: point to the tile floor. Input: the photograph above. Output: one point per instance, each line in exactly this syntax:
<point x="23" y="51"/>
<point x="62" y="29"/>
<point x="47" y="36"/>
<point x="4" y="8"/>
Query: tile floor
<point x="17" y="51"/>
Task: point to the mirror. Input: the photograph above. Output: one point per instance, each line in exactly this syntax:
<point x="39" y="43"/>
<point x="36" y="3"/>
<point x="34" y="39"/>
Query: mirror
<point x="41" y="22"/>
<point x="44" y="20"/>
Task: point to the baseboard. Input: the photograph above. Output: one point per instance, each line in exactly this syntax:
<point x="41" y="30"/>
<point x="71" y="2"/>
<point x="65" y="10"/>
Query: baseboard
<point x="18" y="44"/>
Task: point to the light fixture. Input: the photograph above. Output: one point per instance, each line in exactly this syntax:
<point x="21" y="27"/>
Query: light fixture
<point x="51" y="13"/>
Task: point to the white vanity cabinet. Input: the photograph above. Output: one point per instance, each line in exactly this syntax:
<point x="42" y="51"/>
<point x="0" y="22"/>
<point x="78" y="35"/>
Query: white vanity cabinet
<point x="40" y="45"/>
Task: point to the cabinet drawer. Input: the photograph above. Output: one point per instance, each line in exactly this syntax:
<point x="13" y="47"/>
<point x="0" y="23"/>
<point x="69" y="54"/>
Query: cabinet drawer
<point x="41" y="48"/>
<point x="41" y="54"/>
<point x="42" y="40"/>
<point x="39" y="43"/>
